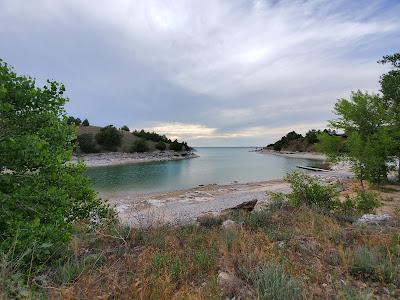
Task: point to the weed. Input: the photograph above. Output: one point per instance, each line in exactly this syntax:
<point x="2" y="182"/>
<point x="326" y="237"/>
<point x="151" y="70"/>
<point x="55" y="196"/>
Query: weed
<point x="271" y="282"/>
<point x="209" y="221"/>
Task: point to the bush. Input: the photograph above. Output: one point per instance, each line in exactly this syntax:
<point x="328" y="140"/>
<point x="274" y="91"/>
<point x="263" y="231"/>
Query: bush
<point x="41" y="195"/>
<point x="109" y="137"/>
<point x="271" y="282"/>
<point x="161" y="146"/>
<point x="366" y="202"/>
<point x="125" y="128"/>
<point x="85" y="122"/>
<point x="139" y="146"/>
<point x="309" y="191"/>
<point x="86" y="143"/>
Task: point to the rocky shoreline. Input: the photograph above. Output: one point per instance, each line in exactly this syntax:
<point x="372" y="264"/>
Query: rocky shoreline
<point x="122" y="158"/>
<point x="306" y="155"/>
<point x="185" y="206"/>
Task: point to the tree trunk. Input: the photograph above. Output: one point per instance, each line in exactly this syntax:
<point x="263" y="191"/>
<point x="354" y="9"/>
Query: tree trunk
<point x="398" y="170"/>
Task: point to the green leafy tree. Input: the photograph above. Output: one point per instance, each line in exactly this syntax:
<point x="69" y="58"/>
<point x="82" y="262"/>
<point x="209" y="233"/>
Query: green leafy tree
<point x="161" y="146"/>
<point x="85" y="122"/>
<point x="125" y="128"/>
<point x="362" y="118"/>
<point x="109" y="137"/>
<point x="390" y="88"/>
<point x="139" y="146"/>
<point x="41" y="194"/>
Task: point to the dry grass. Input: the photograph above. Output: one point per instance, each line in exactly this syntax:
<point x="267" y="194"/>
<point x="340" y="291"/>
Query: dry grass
<point x="323" y="257"/>
<point x="313" y="249"/>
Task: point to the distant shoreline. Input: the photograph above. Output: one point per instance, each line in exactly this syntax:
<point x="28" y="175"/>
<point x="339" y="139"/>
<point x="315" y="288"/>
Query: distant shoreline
<point x="305" y="155"/>
<point x="121" y="158"/>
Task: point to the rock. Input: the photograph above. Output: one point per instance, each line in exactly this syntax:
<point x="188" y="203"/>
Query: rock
<point x="281" y="244"/>
<point x="232" y="286"/>
<point x="246" y="206"/>
<point x="373" y="219"/>
<point x="333" y="257"/>
<point x="229" y="224"/>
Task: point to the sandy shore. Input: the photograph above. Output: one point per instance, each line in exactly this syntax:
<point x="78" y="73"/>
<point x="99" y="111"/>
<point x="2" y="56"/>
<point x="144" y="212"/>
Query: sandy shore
<point x="185" y="206"/>
<point x="306" y="155"/>
<point x="120" y="158"/>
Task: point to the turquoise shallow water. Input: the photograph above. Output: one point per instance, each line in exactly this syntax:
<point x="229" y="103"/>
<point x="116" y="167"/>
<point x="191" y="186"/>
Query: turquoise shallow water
<point x="215" y="165"/>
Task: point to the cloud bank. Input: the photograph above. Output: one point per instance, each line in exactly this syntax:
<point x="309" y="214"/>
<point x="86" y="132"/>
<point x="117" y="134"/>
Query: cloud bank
<point x="231" y="72"/>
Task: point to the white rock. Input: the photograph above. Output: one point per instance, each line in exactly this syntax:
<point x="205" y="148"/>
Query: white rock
<point x="229" y="224"/>
<point x="374" y="219"/>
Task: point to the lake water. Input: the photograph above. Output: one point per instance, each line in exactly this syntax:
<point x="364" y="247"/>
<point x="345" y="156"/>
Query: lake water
<point x="215" y="165"/>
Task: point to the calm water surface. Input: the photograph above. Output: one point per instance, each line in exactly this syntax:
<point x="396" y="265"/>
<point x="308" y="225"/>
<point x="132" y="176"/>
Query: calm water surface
<point x="215" y="165"/>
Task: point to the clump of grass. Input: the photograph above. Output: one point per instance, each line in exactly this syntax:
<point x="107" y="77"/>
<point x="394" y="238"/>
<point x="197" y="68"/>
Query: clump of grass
<point x="363" y="263"/>
<point x="369" y="264"/>
<point x="271" y="282"/>
<point x="210" y="221"/>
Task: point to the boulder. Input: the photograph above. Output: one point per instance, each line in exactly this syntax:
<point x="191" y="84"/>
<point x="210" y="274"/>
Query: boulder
<point x="374" y="219"/>
<point x="233" y="286"/>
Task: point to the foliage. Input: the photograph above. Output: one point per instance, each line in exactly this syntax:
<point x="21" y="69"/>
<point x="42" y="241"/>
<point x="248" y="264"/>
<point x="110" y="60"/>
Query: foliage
<point x="153" y="136"/>
<point x="271" y="282"/>
<point x="175" y="146"/>
<point x="161" y="146"/>
<point x="139" y="146"/>
<point x="362" y="118"/>
<point x="390" y="88"/>
<point x="85" y="122"/>
<point x="309" y="191"/>
<point x="86" y="143"/>
<point x="312" y="136"/>
<point x="125" y="128"/>
<point x="109" y="137"/>
<point x="41" y="195"/>
<point x="71" y="120"/>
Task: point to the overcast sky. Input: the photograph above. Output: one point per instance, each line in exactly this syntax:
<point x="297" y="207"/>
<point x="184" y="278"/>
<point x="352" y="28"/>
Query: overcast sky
<point x="214" y="73"/>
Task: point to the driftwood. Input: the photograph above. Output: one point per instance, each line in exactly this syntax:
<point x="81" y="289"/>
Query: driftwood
<point x="246" y="206"/>
<point x="312" y="169"/>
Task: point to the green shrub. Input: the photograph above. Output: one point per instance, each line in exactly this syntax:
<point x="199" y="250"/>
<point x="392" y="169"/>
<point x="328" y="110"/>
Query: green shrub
<point x="370" y="264"/>
<point x="86" y="143"/>
<point x="109" y="137"/>
<point x="271" y="282"/>
<point x="363" y="263"/>
<point x="125" y="128"/>
<point x="309" y="191"/>
<point x="161" y="146"/>
<point x="362" y="203"/>
<point x="41" y="195"/>
<point x="139" y="146"/>
<point x="366" y="202"/>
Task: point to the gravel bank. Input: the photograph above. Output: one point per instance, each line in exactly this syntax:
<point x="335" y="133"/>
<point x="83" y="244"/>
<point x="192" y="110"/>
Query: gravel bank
<point x="120" y="158"/>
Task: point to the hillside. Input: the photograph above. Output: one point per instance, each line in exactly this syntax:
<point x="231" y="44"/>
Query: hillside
<point x="295" y="142"/>
<point x="87" y="135"/>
